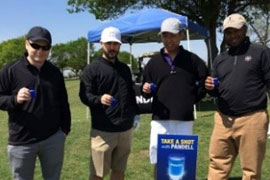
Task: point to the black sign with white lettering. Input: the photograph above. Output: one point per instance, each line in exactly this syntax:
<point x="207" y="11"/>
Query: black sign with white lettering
<point x="145" y="105"/>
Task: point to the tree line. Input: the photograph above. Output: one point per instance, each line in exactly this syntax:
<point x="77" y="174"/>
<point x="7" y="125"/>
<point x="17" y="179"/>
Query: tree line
<point x="71" y="55"/>
<point x="207" y="13"/>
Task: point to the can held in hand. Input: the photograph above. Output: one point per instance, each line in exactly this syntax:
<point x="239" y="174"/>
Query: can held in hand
<point x="33" y="93"/>
<point x="216" y="81"/>
<point x="153" y="87"/>
<point x="114" y="102"/>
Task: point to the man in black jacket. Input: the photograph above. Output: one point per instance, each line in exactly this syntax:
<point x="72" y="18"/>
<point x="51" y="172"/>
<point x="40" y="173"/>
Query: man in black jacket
<point x="241" y="121"/>
<point x="107" y="88"/>
<point x="175" y="79"/>
<point x="33" y="92"/>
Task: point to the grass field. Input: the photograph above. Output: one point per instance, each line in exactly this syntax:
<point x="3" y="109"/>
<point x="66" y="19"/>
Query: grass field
<point x="77" y="145"/>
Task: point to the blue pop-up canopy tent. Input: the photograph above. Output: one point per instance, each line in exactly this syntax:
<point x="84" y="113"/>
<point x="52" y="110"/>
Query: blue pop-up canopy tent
<point x="143" y="26"/>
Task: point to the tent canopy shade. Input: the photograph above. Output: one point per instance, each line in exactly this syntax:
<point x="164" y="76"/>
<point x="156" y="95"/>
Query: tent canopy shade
<point x="144" y="26"/>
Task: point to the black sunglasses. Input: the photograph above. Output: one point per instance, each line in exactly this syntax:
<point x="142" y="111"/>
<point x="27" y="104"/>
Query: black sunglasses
<point x="37" y="47"/>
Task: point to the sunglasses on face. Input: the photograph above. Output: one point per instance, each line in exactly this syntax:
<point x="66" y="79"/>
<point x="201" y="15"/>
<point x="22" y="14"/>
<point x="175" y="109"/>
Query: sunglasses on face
<point x="37" y="46"/>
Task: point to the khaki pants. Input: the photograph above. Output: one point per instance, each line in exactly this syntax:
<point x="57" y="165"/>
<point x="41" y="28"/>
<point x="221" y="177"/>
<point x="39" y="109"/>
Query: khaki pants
<point x="109" y="150"/>
<point x="245" y="135"/>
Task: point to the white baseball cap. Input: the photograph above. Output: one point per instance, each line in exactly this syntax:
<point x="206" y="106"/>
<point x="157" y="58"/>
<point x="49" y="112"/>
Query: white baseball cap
<point x="172" y="25"/>
<point x="110" y="34"/>
<point x="236" y="21"/>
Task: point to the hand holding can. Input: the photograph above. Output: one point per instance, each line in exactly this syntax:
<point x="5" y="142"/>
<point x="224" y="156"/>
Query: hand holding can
<point x="114" y="102"/>
<point x="153" y="87"/>
<point x="216" y="81"/>
<point x="32" y="93"/>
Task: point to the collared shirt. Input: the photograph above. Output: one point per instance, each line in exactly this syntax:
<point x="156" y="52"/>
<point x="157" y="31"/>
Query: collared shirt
<point x="175" y="93"/>
<point x="169" y="60"/>
<point x="104" y="77"/>
<point x="42" y="116"/>
<point x="244" y="79"/>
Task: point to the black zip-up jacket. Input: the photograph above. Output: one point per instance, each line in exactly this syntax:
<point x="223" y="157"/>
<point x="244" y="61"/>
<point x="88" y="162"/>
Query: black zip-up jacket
<point x="175" y="93"/>
<point x="244" y="79"/>
<point x="103" y="77"/>
<point x="41" y="117"/>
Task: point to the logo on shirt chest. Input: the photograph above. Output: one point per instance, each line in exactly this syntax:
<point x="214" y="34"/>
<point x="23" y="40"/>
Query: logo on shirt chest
<point x="248" y="58"/>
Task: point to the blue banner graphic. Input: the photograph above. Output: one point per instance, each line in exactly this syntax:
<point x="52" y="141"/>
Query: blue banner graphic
<point x="177" y="157"/>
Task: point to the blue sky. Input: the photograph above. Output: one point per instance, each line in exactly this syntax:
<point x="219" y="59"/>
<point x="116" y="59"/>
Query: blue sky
<point x="18" y="16"/>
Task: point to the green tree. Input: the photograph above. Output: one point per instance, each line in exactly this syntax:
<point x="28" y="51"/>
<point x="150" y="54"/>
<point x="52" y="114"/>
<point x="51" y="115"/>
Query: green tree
<point x="71" y="55"/>
<point x="59" y="56"/>
<point x="123" y="56"/>
<point x="77" y="55"/>
<point x="11" y="50"/>
<point x="207" y="13"/>
<point x="95" y="55"/>
<point x="260" y="24"/>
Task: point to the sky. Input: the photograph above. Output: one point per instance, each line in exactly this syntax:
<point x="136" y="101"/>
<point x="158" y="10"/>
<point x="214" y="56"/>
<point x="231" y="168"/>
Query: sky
<point x="18" y="16"/>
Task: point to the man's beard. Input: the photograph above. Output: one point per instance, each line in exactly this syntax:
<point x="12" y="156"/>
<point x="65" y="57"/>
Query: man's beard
<point x="111" y="55"/>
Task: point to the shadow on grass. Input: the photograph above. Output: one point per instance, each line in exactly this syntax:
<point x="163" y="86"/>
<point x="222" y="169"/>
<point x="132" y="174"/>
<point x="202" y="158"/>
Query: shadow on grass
<point x="206" y="105"/>
<point x="208" y="115"/>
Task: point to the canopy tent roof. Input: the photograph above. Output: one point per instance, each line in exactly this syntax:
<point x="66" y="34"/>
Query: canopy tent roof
<point x="144" y="26"/>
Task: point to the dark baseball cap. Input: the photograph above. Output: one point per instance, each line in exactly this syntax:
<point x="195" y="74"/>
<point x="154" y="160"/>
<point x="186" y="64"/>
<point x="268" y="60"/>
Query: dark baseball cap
<point x="39" y="33"/>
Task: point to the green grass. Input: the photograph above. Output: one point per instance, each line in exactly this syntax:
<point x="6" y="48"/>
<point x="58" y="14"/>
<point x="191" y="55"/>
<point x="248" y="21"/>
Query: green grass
<point x="76" y="164"/>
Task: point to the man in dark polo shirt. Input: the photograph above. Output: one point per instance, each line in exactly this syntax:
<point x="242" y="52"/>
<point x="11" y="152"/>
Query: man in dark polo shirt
<point x="241" y="121"/>
<point x="107" y="89"/>
<point x="175" y="79"/>
<point x="33" y="92"/>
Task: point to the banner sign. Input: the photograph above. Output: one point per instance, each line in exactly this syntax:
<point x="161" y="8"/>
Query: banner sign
<point x="177" y="157"/>
<point x="144" y="105"/>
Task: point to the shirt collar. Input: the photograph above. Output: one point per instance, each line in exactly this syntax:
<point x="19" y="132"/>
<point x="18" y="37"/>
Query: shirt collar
<point x="109" y="62"/>
<point x="242" y="48"/>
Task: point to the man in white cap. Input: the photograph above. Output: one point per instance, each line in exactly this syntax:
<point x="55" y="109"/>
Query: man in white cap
<point x="241" y="121"/>
<point x="175" y="79"/>
<point x="107" y="88"/>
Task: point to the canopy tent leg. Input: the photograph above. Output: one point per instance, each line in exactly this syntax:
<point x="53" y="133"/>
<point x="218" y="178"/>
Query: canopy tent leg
<point x="88" y="62"/>
<point x="210" y="54"/>
<point x="130" y="55"/>
<point x="188" y="39"/>
<point x="188" y="45"/>
<point x="88" y="53"/>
